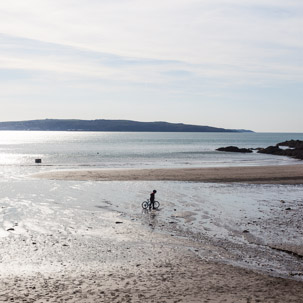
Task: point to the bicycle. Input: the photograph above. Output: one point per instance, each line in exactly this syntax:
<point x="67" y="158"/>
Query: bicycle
<point x="147" y="204"/>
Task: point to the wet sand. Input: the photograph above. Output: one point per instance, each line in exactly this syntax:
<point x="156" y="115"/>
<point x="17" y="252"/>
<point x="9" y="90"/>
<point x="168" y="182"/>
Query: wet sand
<point x="73" y="255"/>
<point x="284" y="174"/>
<point x="97" y="259"/>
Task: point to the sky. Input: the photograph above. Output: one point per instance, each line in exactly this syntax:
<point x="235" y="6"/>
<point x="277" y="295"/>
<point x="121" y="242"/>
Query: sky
<point x="224" y="63"/>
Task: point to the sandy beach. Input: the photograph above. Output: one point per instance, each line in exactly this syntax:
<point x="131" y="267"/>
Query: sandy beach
<point x="101" y="257"/>
<point x="67" y="238"/>
<point x="284" y="174"/>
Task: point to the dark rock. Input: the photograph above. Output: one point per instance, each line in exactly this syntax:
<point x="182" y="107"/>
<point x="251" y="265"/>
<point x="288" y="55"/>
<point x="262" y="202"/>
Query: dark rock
<point x="296" y="150"/>
<point x="288" y="208"/>
<point x="294" y="153"/>
<point x="271" y="150"/>
<point x="292" y="143"/>
<point x="234" y="149"/>
<point x="245" y="231"/>
<point x="119" y="222"/>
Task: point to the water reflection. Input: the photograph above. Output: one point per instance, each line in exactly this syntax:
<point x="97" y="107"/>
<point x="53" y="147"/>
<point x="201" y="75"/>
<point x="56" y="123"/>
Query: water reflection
<point x="150" y="217"/>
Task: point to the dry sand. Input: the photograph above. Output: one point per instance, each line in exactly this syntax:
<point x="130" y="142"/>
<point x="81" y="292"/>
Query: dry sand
<point x="284" y="174"/>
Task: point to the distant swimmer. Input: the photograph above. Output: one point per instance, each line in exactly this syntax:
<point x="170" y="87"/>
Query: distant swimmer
<point x="152" y="199"/>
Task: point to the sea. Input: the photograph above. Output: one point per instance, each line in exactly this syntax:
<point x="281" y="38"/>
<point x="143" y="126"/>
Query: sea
<point x="247" y="225"/>
<point x="111" y="150"/>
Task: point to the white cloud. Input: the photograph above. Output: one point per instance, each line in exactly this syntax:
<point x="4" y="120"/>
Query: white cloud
<point x="191" y="31"/>
<point x="182" y="47"/>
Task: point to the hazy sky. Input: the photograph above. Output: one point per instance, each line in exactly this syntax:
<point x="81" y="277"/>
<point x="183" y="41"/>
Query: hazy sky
<point x="223" y="63"/>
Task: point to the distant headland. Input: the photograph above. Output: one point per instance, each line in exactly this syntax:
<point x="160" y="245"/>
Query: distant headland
<point x="103" y="125"/>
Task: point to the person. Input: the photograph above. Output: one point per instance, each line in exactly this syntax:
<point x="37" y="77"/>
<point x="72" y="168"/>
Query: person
<point x="152" y="199"/>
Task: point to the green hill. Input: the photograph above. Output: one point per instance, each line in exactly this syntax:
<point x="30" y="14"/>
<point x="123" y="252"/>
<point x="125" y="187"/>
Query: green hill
<point x="108" y="125"/>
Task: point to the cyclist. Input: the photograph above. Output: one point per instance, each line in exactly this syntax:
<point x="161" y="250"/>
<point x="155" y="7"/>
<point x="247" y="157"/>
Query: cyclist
<point x="152" y="199"/>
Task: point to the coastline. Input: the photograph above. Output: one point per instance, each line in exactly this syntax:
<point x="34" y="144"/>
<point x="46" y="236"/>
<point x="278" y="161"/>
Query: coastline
<point x="283" y="174"/>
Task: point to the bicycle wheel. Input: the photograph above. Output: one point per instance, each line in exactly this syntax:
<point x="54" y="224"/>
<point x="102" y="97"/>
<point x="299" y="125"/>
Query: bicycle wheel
<point x="145" y="205"/>
<point x="156" y="204"/>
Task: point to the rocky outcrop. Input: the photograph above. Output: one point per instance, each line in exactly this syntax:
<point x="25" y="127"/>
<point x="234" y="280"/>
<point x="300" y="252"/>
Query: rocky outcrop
<point x="234" y="149"/>
<point x="298" y="144"/>
<point x="271" y="150"/>
<point x="295" y="150"/>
